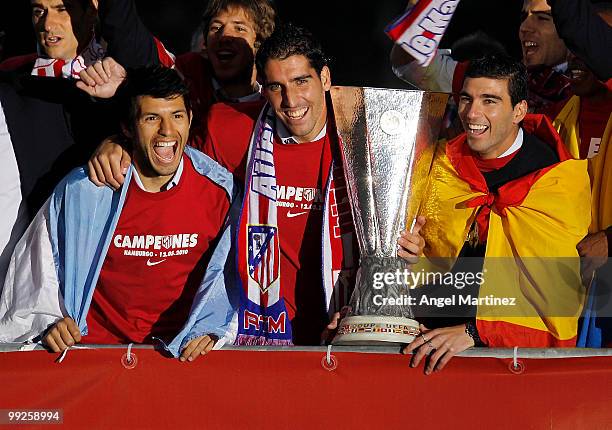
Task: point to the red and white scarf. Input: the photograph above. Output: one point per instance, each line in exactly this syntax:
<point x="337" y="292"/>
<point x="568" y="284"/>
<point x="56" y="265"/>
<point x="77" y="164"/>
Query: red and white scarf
<point x="70" y="69"/>
<point x="262" y="316"/>
<point x="58" y="68"/>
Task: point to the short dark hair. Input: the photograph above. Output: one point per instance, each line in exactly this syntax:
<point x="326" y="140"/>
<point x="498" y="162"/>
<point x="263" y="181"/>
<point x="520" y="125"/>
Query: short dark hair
<point x="501" y="67"/>
<point x="476" y="45"/>
<point x="288" y="40"/>
<point x="262" y="13"/>
<point x="154" y="81"/>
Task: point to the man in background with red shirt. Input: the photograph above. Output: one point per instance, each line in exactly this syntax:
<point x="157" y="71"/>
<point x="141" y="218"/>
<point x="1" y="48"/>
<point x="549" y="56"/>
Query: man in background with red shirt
<point x="225" y="70"/>
<point x="130" y="264"/>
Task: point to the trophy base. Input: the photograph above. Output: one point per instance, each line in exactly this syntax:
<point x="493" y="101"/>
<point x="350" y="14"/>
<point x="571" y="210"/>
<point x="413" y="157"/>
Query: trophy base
<point x="376" y="330"/>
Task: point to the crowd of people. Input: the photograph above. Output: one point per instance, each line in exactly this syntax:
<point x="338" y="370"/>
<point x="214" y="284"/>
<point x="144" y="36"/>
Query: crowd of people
<point x="200" y="200"/>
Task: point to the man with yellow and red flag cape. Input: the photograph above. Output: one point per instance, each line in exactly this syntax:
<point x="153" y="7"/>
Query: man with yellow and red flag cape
<point x="508" y="193"/>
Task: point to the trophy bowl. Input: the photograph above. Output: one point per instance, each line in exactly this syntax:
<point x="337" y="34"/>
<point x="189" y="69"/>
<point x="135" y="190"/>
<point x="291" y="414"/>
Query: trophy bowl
<point x="388" y="140"/>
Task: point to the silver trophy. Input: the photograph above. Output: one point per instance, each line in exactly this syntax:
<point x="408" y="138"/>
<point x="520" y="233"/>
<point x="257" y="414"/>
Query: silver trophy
<point x="388" y="139"/>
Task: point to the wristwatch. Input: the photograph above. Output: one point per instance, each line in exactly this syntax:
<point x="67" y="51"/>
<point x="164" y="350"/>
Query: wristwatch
<point x="472" y="331"/>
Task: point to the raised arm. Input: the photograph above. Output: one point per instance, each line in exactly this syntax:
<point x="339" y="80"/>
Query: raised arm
<point x="129" y="41"/>
<point x="585" y="33"/>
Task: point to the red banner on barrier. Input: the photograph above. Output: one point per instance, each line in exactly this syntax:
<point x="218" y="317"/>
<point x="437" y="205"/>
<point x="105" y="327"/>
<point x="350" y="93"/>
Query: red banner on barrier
<point x="249" y="389"/>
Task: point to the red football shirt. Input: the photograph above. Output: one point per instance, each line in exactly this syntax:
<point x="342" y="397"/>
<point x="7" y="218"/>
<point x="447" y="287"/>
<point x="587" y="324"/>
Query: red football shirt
<point x="229" y="128"/>
<point x="301" y="174"/>
<point x="156" y="260"/>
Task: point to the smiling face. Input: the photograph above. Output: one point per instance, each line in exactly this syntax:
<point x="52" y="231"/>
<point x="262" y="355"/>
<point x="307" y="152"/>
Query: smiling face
<point x="488" y="117"/>
<point x="62" y="27"/>
<point x="159" y="133"/>
<point x="230" y="45"/>
<point x="297" y="93"/>
<point x="539" y="39"/>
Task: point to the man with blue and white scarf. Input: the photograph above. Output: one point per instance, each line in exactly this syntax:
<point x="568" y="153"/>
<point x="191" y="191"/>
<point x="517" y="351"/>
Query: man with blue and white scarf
<point x="144" y="264"/>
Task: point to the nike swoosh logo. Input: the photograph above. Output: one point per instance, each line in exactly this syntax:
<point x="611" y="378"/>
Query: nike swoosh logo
<point x="154" y="263"/>
<point x="290" y="215"/>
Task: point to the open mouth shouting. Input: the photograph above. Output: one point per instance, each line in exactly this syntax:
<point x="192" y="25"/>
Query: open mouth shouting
<point x="225" y="55"/>
<point x="165" y="151"/>
<point x="529" y="47"/>
<point x="476" y="129"/>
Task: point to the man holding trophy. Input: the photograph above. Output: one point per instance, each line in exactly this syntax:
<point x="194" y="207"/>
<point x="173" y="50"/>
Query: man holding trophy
<point x="506" y="188"/>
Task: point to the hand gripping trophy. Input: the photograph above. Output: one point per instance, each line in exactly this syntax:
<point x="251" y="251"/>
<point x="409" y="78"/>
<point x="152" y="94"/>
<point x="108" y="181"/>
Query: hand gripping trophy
<point x="388" y="139"/>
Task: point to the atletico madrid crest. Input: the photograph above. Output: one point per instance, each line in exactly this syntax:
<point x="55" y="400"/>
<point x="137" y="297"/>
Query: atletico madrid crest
<point x="263" y="255"/>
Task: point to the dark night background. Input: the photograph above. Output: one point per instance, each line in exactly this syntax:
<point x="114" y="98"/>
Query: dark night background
<point x="351" y="30"/>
